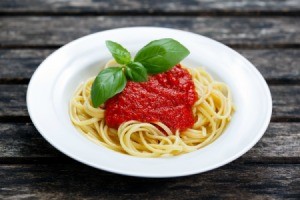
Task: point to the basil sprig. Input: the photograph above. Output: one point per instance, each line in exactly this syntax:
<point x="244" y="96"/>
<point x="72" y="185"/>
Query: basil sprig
<point x="161" y="55"/>
<point x="135" y="71"/>
<point x="156" y="57"/>
<point x="120" y="54"/>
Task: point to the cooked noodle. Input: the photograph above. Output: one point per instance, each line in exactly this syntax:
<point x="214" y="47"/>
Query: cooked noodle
<point x="212" y="112"/>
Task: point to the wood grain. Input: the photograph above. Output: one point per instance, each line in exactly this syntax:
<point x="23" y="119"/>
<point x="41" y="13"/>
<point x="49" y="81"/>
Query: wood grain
<point x="78" y="181"/>
<point x="276" y="65"/>
<point x="30" y="168"/>
<point x="286" y="101"/>
<point x="56" y="31"/>
<point x="147" y="6"/>
<point x="21" y="141"/>
<point x="13" y="100"/>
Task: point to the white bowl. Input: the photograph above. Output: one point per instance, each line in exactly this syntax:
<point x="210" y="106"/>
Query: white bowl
<point x="56" y="79"/>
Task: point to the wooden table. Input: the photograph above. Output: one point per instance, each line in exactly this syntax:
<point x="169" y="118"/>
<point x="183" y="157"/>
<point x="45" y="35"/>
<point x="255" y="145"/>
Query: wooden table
<point x="266" y="32"/>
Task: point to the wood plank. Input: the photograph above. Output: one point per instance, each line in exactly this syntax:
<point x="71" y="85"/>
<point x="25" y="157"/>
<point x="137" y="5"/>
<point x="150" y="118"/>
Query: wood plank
<point x="234" y="31"/>
<point x="21" y="141"/>
<point x="13" y="100"/>
<point x="275" y="64"/>
<point x="19" y="65"/>
<point x="280" y="143"/>
<point x="81" y="182"/>
<point x="147" y="6"/>
<point x="286" y="101"/>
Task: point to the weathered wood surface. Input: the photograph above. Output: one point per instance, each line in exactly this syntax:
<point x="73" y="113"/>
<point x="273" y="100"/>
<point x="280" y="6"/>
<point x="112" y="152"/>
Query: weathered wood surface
<point x="148" y="6"/>
<point x="232" y="181"/>
<point x="21" y="141"/>
<point x="276" y="65"/>
<point x="286" y="101"/>
<point x="244" y="31"/>
<point x="31" y="168"/>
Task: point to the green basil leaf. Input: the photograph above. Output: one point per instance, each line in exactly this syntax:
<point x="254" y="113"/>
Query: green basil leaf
<point x="120" y="54"/>
<point x="161" y="55"/>
<point x="136" y="72"/>
<point x="108" y="83"/>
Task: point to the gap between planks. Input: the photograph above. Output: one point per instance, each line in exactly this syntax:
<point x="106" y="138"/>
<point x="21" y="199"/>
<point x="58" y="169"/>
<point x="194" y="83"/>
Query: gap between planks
<point x="233" y="46"/>
<point x="211" y="13"/>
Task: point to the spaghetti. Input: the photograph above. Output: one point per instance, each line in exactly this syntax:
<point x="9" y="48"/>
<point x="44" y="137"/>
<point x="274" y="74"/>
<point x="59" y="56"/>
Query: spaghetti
<point x="212" y="112"/>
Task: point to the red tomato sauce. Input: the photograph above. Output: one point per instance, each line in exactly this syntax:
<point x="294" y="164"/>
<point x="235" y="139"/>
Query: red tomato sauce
<point x="167" y="97"/>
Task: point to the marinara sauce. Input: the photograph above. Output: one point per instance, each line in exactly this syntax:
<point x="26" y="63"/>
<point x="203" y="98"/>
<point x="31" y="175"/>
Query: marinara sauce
<point x="167" y="97"/>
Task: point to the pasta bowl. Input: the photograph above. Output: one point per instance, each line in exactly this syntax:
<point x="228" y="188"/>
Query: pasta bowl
<point x="54" y="82"/>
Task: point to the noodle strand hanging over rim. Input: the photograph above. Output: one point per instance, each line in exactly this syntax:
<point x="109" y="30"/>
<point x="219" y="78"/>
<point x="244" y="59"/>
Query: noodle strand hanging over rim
<point x="212" y="112"/>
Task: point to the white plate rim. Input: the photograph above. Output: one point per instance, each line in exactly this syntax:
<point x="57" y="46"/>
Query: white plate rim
<point x="137" y="174"/>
